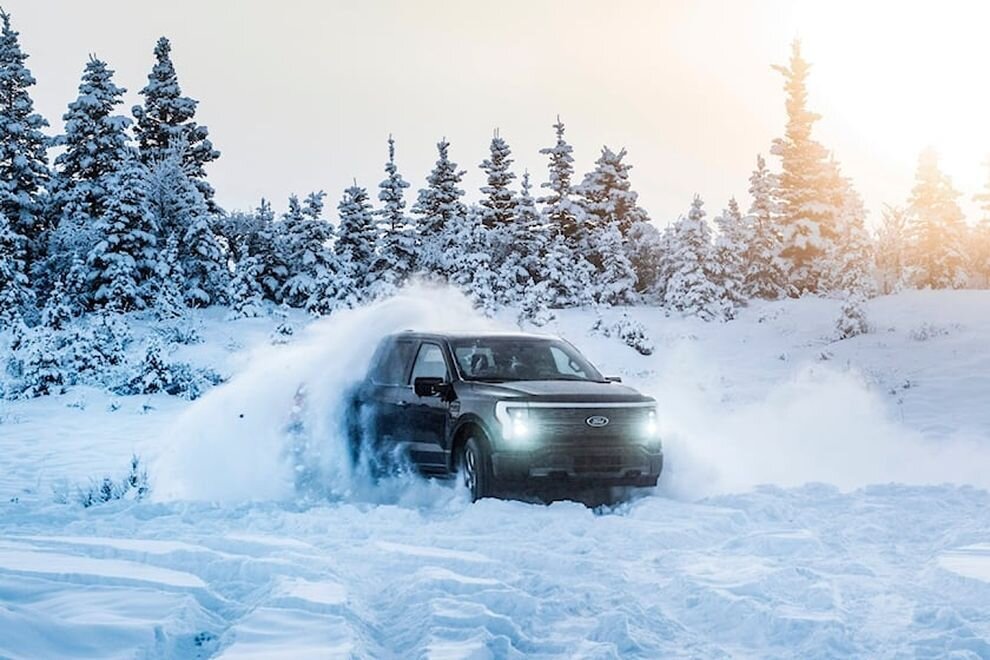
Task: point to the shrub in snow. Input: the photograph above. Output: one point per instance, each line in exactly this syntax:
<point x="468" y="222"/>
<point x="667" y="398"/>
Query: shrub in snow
<point x="179" y="333"/>
<point x="155" y="374"/>
<point x="133" y="486"/>
<point x="629" y="331"/>
<point x="284" y="330"/>
<point x="852" y="319"/>
<point x="927" y="331"/>
<point x="41" y="373"/>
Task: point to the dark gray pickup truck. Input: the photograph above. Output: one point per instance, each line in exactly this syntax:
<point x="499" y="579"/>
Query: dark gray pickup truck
<point x="504" y="411"/>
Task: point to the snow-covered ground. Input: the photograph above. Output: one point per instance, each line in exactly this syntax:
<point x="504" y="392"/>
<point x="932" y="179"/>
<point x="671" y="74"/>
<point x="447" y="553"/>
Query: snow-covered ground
<point x="822" y="499"/>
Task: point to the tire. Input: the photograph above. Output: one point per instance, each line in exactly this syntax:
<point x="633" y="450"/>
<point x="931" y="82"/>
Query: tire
<point x="475" y="469"/>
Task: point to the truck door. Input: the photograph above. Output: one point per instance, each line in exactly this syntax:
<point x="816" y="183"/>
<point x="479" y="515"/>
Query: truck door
<point x="386" y="422"/>
<point x="428" y="415"/>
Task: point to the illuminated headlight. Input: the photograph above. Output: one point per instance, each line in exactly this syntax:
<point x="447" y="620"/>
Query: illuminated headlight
<point x="515" y="421"/>
<point x="651" y="430"/>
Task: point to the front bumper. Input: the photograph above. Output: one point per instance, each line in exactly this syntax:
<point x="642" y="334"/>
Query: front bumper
<point x="612" y="465"/>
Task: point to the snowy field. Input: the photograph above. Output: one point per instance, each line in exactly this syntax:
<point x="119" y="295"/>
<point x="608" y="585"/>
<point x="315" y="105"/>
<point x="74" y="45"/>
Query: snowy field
<point x="821" y="499"/>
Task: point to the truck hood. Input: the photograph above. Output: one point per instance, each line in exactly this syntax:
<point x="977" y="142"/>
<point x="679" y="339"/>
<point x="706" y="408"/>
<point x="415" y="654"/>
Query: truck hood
<point x="561" y="390"/>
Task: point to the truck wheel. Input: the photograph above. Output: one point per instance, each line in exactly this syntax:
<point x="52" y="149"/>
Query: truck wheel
<point x="476" y="469"/>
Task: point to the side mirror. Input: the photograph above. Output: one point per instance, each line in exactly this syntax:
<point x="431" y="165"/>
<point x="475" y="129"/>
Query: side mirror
<point x="428" y="386"/>
<point x="613" y="379"/>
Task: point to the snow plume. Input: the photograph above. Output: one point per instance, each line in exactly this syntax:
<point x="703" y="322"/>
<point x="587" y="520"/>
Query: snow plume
<point x="243" y="440"/>
<point x="819" y="425"/>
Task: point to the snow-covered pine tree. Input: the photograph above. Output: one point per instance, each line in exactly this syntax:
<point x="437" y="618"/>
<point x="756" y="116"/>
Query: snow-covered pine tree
<point x="848" y="262"/>
<point x="272" y="249"/>
<point x="644" y="248"/>
<point x="437" y="208"/>
<point x="566" y="275"/>
<point x="605" y="194"/>
<point x="307" y="238"/>
<point x="691" y="287"/>
<point x="729" y="253"/>
<point x="123" y="262"/>
<point x="469" y="266"/>
<point x="891" y="249"/>
<point x="357" y="236"/>
<point x="560" y="209"/>
<point x="396" y="250"/>
<point x="525" y="243"/>
<point x="806" y="210"/>
<point x="498" y="202"/>
<point x="16" y="295"/>
<point x="936" y="256"/>
<point x="614" y="281"/>
<point x="246" y="293"/>
<point x="203" y="259"/>
<point x="95" y="143"/>
<point x="170" y="279"/>
<point x="852" y="319"/>
<point x="165" y="123"/>
<point x="980" y="239"/>
<point x="56" y="314"/>
<point x="24" y="173"/>
<point x="765" y="271"/>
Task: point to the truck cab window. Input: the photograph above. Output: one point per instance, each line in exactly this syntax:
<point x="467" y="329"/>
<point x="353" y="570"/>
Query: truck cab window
<point x="430" y="363"/>
<point x="393" y="364"/>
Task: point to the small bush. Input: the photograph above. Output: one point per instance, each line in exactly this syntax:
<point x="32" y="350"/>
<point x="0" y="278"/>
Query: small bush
<point x="629" y="331"/>
<point x="133" y="486"/>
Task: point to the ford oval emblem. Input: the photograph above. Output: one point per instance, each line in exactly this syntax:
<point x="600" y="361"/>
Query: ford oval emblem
<point x="596" y="421"/>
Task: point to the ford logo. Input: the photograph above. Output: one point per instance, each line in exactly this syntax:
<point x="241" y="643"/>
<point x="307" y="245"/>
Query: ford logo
<point x="596" y="421"/>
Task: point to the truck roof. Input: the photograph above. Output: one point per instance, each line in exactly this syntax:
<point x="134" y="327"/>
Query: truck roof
<point x="471" y="335"/>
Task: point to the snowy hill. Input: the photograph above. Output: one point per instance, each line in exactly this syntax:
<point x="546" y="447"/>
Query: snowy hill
<point x="822" y="498"/>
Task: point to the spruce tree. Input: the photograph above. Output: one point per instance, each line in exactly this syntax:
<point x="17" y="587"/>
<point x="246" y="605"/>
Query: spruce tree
<point x="16" y="295"/>
<point x="202" y="257"/>
<point x="605" y="194"/>
<point x="246" y="293"/>
<point x="729" y="253"/>
<point x="806" y="210"/>
<point x="980" y="250"/>
<point x="614" y="282"/>
<point x="24" y="173"/>
<point x="849" y="261"/>
<point x="936" y="255"/>
<point x="272" y="250"/>
<point x="765" y="271"/>
<point x="560" y="210"/>
<point x="356" y="238"/>
<point x="95" y="142"/>
<point x="169" y="283"/>
<point x="165" y="122"/>
<point x="525" y="243"/>
<point x="644" y="248"/>
<point x="396" y="250"/>
<point x="498" y="202"/>
<point x="308" y="255"/>
<point x="891" y="249"/>
<point x="124" y="260"/>
<point x="691" y="287"/>
<point x="438" y="209"/>
<point x="469" y="267"/>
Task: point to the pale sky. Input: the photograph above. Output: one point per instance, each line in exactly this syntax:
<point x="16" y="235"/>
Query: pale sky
<point x="300" y="95"/>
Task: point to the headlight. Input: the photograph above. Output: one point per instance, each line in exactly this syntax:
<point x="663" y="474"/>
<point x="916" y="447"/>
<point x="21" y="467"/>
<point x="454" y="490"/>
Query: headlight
<point x="651" y="430"/>
<point x="515" y="421"/>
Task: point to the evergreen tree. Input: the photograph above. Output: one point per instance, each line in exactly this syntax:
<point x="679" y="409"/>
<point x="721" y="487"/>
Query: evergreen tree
<point x="936" y="254"/>
<point x="644" y="248"/>
<point x="614" y="282"/>
<point x="24" y="171"/>
<point x="396" y="250"/>
<point x="566" y="276"/>
<point x="170" y="279"/>
<point x="765" y="273"/>
<point x="16" y="295"/>
<point x="980" y="251"/>
<point x="499" y="201"/>
<point x="469" y="267"/>
<point x="891" y="249"/>
<point x="308" y="255"/>
<point x="272" y="250"/>
<point x="849" y="260"/>
<point x="438" y="208"/>
<point x="202" y="258"/>
<point x="246" y="293"/>
<point x="356" y="238"/>
<point x="165" y="123"/>
<point x="605" y="195"/>
<point x="691" y="287"/>
<point x="95" y="142"/>
<point x="806" y="212"/>
<point x="729" y="253"/>
<point x="123" y="261"/>
<point x="56" y="314"/>
<point x="560" y="210"/>
<point x="525" y="242"/>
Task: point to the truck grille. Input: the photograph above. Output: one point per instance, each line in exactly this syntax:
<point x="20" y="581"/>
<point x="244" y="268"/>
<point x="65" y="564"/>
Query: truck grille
<point x="571" y="424"/>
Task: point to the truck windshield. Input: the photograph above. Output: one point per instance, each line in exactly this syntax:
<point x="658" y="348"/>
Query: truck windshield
<point x="496" y="359"/>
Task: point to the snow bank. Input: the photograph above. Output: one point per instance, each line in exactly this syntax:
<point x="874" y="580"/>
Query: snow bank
<point x="237" y="443"/>
<point x="818" y="425"/>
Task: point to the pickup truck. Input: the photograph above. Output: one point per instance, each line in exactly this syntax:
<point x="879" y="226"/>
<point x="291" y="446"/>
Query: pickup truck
<point x="503" y="411"/>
